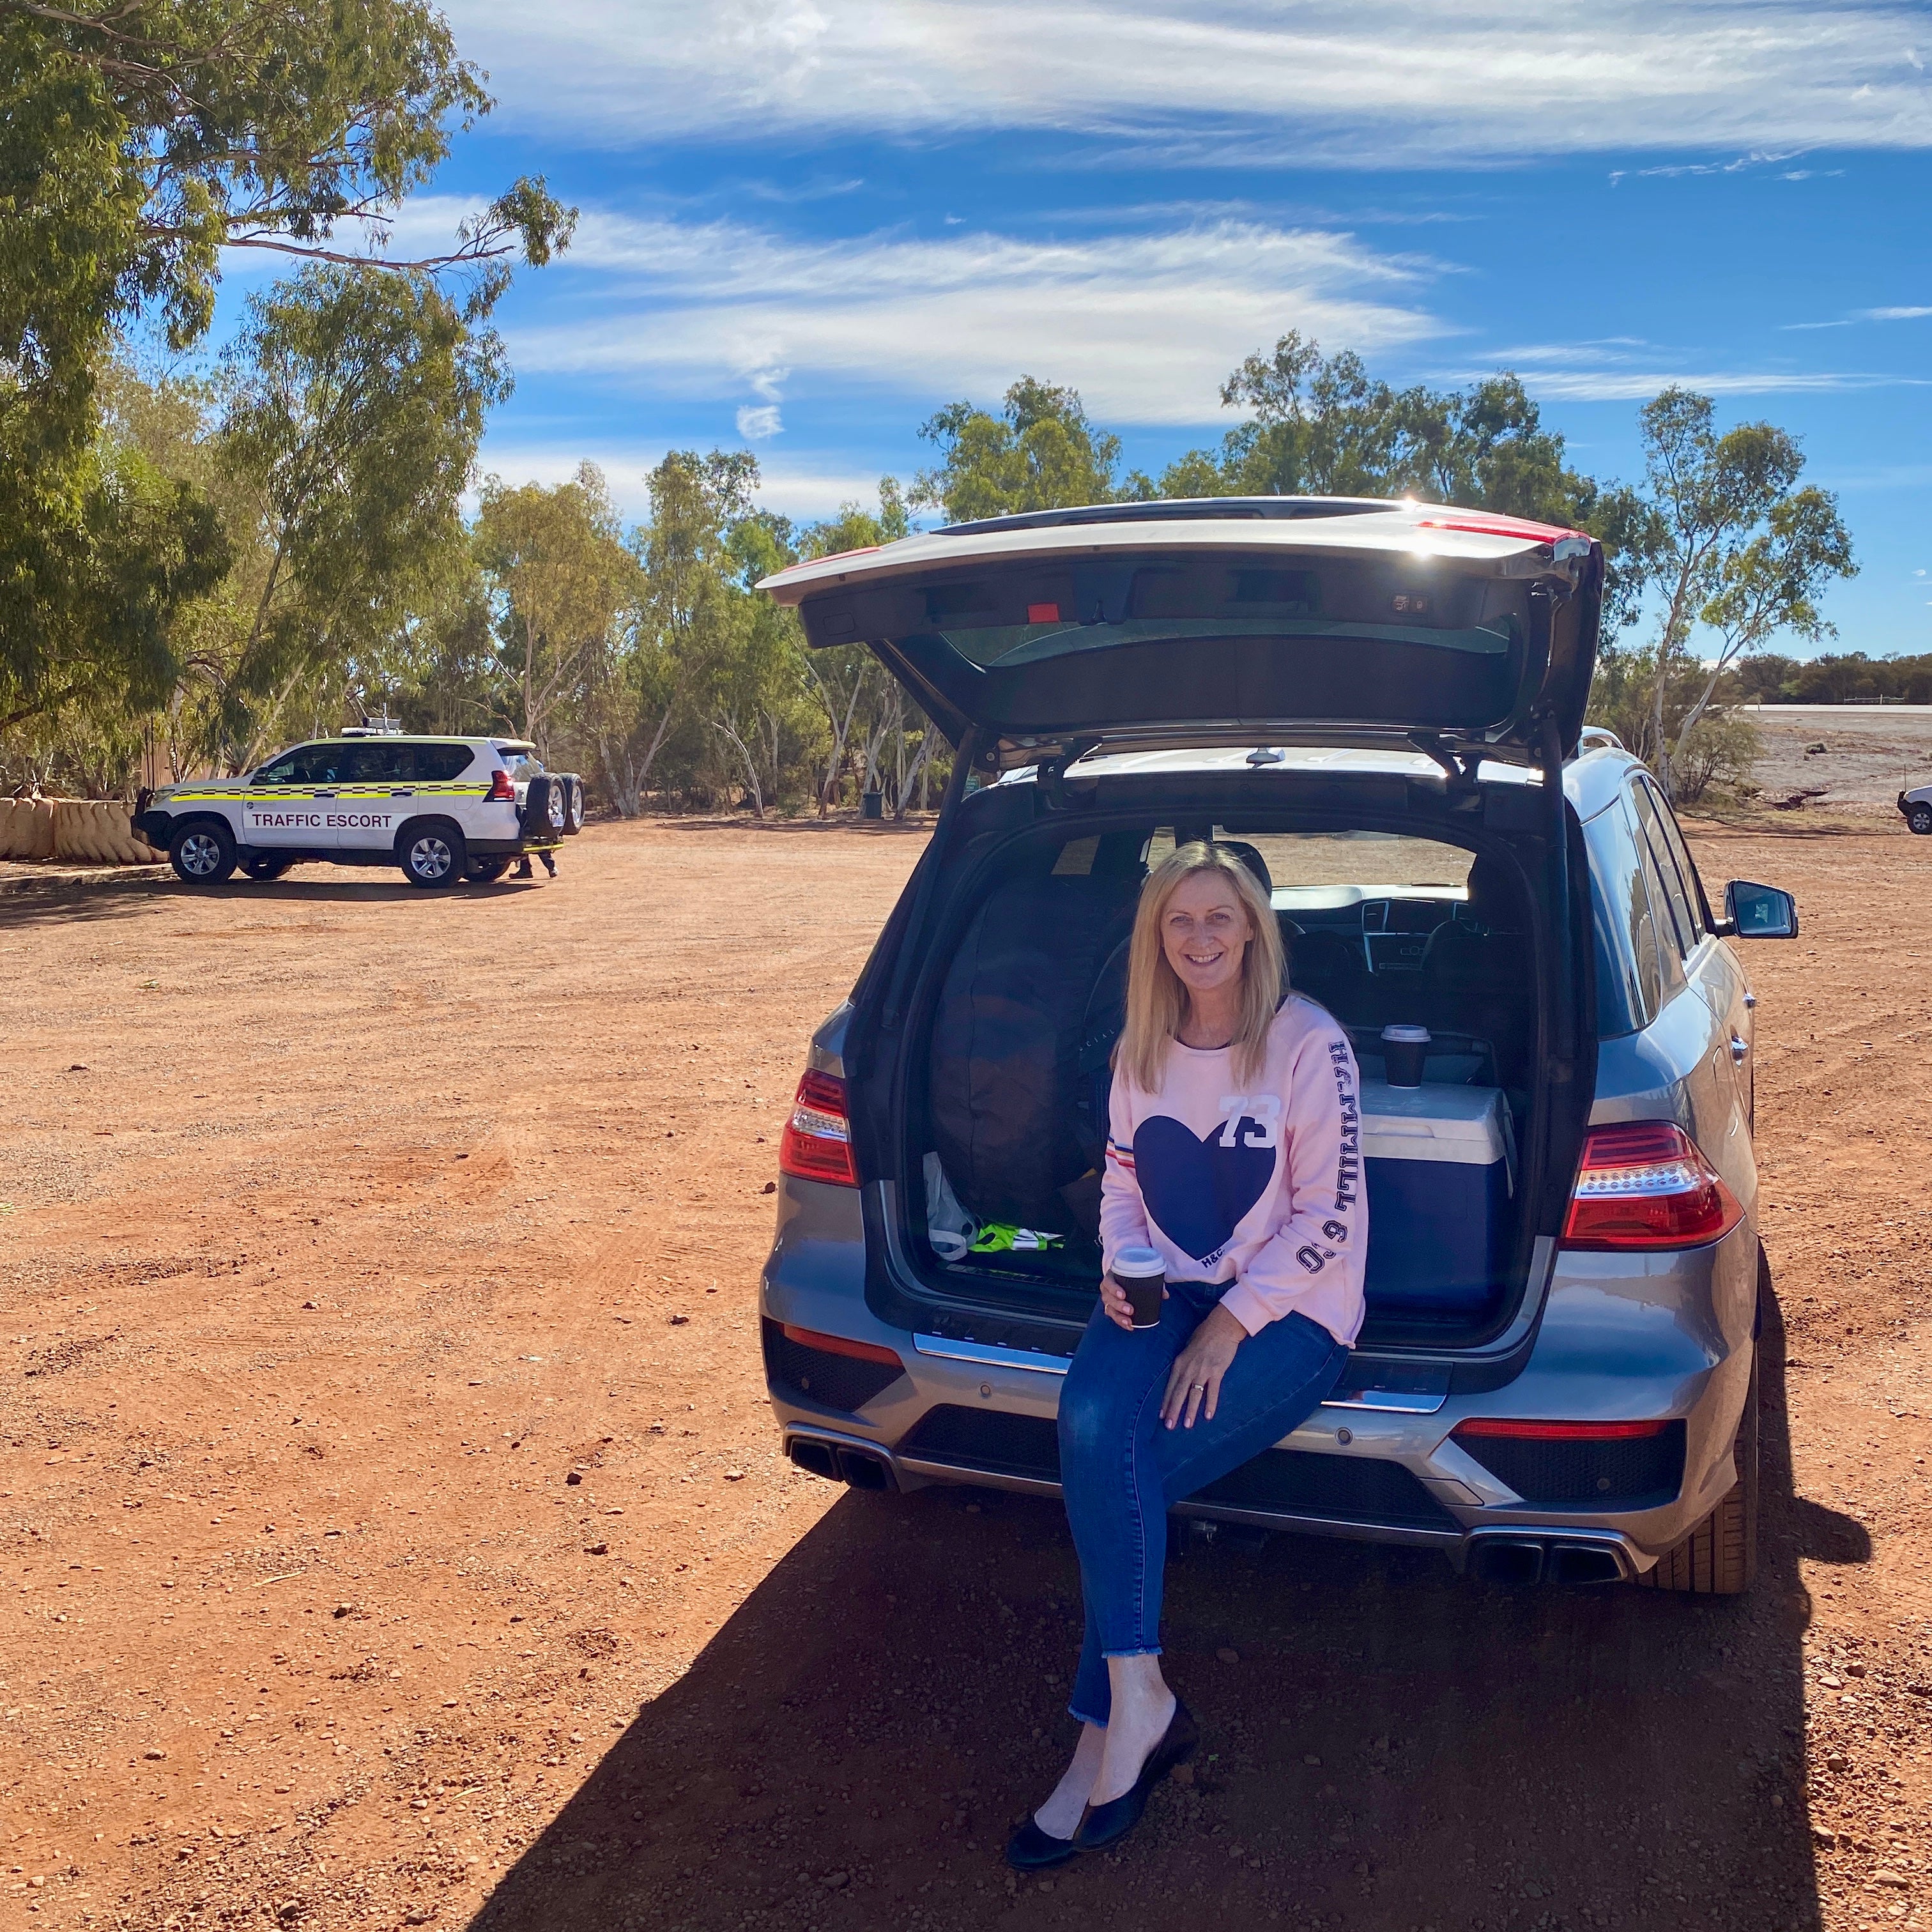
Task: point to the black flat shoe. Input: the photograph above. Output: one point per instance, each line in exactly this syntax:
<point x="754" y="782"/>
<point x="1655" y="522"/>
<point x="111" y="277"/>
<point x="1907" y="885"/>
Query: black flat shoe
<point x="1105" y="1824"/>
<point x="1031" y="1849"/>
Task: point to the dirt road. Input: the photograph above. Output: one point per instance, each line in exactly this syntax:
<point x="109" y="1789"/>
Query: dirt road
<point x="392" y="1531"/>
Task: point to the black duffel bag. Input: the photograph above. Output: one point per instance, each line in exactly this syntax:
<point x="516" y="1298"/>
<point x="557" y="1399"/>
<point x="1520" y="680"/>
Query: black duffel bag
<point x="1007" y="1119"/>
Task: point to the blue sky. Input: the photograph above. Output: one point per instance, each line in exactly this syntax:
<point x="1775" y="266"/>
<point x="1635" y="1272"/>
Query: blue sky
<point x="806" y="223"/>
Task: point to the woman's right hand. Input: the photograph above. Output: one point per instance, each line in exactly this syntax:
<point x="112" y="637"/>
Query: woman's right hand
<point x="1113" y="1300"/>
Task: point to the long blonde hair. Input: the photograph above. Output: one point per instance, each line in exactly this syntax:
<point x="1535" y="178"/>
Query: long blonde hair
<point x="1157" y="999"/>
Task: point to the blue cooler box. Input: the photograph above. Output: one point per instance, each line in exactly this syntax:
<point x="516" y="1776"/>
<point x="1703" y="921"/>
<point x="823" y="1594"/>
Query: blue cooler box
<point x="1439" y="1162"/>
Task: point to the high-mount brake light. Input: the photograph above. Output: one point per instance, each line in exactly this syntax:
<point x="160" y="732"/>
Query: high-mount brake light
<point x="816" y="1144"/>
<point x="1644" y="1184"/>
<point x="500" y="786"/>
<point x="1495" y="526"/>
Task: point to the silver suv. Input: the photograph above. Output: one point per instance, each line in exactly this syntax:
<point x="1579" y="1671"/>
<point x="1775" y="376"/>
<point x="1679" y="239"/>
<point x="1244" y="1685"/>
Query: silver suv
<point x="1380" y="706"/>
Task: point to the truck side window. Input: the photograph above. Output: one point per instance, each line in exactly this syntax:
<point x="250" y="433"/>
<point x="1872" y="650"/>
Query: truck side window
<point x="437" y="764"/>
<point x="372" y="762"/>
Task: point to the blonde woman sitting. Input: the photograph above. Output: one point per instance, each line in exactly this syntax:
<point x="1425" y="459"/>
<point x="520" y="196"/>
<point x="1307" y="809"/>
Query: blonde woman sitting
<point x="1234" y="1153"/>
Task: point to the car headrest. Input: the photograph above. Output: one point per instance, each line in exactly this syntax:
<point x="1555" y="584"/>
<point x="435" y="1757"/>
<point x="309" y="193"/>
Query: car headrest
<point x="1250" y="856"/>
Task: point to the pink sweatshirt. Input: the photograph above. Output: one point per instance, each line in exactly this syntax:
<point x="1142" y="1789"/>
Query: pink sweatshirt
<point x="1262" y="1189"/>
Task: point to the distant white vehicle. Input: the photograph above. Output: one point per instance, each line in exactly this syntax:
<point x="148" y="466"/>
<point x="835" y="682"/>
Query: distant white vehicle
<point x="1917" y="807"/>
<point x="442" y="809"/>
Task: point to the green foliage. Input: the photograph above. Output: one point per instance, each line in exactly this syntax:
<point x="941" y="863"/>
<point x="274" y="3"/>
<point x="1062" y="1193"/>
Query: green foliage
<point x="138" y="140"/>
<point x="557" y="567"/>
<point x="1720" y="750"/>
<point x="1736" y="547"/>
<point x="1041" y="453"/>
<point x="352" y="405"/>
<point x="1834" y="677"/>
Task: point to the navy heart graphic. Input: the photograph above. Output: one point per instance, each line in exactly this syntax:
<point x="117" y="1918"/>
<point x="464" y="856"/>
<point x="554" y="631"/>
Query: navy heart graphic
<point x="1197" y="1190"/>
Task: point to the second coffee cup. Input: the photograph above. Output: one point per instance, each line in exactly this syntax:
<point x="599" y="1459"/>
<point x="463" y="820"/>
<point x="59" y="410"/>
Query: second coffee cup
<point x="1143" y="1274"/>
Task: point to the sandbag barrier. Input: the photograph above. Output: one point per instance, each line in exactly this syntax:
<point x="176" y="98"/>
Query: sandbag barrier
<point x="80" y="831"/>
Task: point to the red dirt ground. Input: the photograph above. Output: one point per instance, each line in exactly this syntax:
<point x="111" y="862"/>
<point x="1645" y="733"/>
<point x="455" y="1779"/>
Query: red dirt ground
<point x="392" y="1531"/>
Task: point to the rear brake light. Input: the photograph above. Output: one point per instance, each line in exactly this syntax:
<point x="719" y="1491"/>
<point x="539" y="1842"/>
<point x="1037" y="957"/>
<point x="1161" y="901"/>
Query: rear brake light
<point x="838" y="1344"/>
<point x="1495" y="526"/>
<point x="817" y="1143"/>
<point x="501" y="787"/>
<point x="1645" y="1184"/>
<point x="1560" y="1431"/>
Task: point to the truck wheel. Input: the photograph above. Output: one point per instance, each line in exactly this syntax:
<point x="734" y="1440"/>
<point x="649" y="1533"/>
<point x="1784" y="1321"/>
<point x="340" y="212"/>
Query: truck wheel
<point x="1919" y="818"/>
<point x="486" y="872"/>
<point x="1719" y="1557"/>
<point x="266" y="869"/>
<point x="203" y="852"/>
<point x="432" y="853"/>
<point x="573" y="803"/>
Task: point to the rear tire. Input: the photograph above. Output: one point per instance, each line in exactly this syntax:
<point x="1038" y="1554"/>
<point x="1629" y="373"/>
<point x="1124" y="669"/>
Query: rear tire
<point x="203" y="852"/>
<point x="1719" y="1557"/>
<point x="1918" y="817"/>
<point x="432" y="854"/>
<point x="266" y="869"/>
<point x="486" y="872"/>
<point x="573" y="803"/>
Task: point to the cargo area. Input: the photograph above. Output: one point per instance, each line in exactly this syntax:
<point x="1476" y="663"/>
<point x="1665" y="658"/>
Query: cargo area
<point x="1009" y="1061"/>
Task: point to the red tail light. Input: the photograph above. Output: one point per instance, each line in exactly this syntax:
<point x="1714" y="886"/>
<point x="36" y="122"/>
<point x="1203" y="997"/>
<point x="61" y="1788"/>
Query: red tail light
<point x="1510" y="1427"/>
<point x="500" y="786"/>
<point x="838" y="1345"/>
<point x="817" y="1140"/>
<point x="1644" y="1184"/>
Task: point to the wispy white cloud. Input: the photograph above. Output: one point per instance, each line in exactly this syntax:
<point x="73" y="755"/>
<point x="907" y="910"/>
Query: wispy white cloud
<point x="800" y="490"/>
<point x="1146" y="325"/>
<point x="1618" y="384"/>
<point x="1373" y="82"/>
<point x="1900" y="314"/>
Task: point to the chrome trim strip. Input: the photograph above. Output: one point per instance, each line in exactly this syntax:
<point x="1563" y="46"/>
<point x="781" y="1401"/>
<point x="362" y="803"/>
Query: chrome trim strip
<point x="1389" y="1402"/>
<point x="947" y="1349"/>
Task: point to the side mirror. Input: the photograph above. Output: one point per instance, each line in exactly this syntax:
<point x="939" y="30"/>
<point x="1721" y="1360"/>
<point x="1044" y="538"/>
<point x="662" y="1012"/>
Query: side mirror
<point x="1759" y="912"/>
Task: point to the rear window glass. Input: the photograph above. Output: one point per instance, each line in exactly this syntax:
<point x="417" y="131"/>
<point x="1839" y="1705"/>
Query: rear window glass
<point x="1016" y="617"/>
<point x="520" y="761"/>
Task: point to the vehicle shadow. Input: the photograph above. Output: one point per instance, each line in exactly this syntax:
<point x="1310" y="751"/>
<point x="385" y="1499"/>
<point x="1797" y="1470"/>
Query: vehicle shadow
<point x="1385" y="1744"/>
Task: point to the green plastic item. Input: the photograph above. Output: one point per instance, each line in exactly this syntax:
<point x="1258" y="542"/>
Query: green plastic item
<point x="1002" y="1238"/>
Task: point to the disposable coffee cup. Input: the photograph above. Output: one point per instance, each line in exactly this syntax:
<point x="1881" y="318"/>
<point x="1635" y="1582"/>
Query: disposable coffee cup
<point x="1404" y="1049"/>
<point x="1142" y="1273"/>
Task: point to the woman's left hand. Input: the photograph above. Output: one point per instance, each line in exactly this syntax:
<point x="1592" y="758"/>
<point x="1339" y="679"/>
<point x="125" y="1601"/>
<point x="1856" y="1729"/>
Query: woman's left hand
<point x="1194" y="1382"/>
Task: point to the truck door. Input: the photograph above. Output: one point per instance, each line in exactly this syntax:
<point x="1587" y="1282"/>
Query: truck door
<point x="378" y="793"/>
<point x="290" y="799"/>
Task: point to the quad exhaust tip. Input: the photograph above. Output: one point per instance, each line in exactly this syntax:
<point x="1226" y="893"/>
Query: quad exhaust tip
<point x="1518" y="1560"/>
<point x="841" y="1463"/>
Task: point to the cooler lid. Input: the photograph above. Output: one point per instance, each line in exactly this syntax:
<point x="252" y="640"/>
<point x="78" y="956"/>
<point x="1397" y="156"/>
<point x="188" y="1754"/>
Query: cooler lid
<point x="1435" y="1121"/>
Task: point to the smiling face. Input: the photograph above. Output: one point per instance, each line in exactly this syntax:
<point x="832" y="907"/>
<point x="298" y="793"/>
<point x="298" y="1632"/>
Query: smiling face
<point x="1204" y="931"/>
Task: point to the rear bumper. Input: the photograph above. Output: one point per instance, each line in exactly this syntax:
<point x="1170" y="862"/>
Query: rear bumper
<point x="1556" y="1551"/>
<point x="1619" y="1337"/>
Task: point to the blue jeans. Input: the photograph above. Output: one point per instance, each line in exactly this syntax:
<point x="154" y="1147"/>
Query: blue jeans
<point x="1121" y="1467"/>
